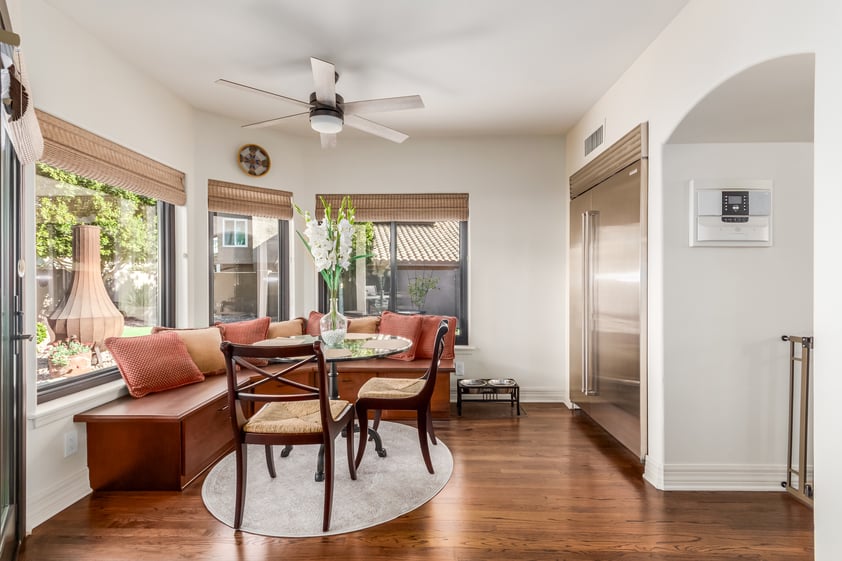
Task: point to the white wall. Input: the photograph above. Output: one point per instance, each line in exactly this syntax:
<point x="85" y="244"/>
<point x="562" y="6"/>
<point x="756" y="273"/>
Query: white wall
<point x="828" y="279"/>
<point x="77" y="79"/>
<point x="217" y="143"/>
<point x="726" y="369"/>
<point x="709" y="41"/>
<point x="517" y="240"/>
<point x="517" y="230"/>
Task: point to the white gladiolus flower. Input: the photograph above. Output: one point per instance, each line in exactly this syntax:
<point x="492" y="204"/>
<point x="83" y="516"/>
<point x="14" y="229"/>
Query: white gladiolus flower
<point x="330" y="242"/>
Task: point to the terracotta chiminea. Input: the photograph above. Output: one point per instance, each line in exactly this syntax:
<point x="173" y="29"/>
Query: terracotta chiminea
<point x="88" y="314"/>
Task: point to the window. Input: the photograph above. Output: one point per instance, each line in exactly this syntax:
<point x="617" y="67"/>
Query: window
<point x="249" y="233"/>
<point x="98" y="273"/>
<point x="249" y="277"/>
<point x="413" y="265"/>
<point x="104" y="248"/>
<point x="234" y="232"/>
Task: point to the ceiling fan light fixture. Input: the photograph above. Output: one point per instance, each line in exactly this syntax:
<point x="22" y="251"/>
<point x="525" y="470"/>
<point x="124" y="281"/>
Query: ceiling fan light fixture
<point x="326" y="122"/>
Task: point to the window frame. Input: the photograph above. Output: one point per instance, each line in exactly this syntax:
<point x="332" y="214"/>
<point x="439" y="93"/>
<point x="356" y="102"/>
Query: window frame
<point x="283" y="257"/>
<point x="166" y="310"/>
<point x="462" y="338"/>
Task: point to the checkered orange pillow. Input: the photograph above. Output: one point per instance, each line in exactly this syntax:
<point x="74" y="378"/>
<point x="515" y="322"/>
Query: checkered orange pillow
<point x="153" y="363"/>
<point x="313" y="324"/>
<point x="245" y="332"/>
<point x="427" y="340"/>
<point x="405" y="326"/>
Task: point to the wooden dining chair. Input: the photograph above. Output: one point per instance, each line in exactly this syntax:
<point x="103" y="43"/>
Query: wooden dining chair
<point x="305" y="415"/>
<point x="402" y="394"/>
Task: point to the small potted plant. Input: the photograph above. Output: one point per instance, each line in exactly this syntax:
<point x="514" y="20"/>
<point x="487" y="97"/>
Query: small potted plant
<point x="418" y="289"/>
<point x="69" y="358"/>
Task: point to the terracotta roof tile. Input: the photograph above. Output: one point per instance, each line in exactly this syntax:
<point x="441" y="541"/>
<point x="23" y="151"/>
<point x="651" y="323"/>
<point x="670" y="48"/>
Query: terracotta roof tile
<point x="420" y="242"/>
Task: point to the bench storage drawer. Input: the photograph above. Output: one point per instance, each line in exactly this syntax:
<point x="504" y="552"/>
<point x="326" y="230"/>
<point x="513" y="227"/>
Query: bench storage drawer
<point x="159" y="442"/>
<point x="207" y="437"/>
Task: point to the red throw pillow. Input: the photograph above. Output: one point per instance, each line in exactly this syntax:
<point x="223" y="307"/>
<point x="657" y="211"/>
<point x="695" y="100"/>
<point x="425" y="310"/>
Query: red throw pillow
<point x="313" y="324"/>
<point x="427" y="340"/>
<point x="153" y="363"/>
<point x="245" y="332"/>
<point x="408" y="326"/>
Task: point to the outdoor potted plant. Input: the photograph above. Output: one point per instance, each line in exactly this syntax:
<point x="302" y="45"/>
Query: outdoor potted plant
<point x="419" y="287"/>
<point x="69" y="358"/>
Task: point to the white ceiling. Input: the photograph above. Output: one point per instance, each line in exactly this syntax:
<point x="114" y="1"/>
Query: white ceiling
<point x="491" y="67"/>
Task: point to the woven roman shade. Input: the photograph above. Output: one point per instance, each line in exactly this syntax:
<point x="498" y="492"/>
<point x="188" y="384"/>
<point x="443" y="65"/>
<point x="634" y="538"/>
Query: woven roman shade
<point x="78" y="151"/>
<point x="248" y="201"/>
<point x="420" y="207"/>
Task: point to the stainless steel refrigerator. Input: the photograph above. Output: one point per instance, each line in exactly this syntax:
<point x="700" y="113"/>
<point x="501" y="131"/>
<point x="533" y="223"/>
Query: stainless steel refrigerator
<point x="608" y="295"/>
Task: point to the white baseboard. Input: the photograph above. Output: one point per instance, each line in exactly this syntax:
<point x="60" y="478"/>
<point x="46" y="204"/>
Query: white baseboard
<point x="718" y="477"/>
<point x="52" y="499"/>
<point x="653" y="472"/>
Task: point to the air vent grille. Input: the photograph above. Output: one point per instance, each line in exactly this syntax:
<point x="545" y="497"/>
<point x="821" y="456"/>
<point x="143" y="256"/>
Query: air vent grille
<point x="594" y="140"/>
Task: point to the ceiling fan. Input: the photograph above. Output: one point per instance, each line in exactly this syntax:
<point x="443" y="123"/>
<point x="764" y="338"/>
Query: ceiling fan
<point x="328" y="111"/>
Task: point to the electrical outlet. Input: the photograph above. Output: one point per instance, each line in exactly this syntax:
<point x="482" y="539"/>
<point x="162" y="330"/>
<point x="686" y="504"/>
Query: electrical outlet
<point x="71" y="443"/>
<point x="460" y="368"/>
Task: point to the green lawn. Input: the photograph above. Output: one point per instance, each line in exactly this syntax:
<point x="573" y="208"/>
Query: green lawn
<point x="136" y="330"/>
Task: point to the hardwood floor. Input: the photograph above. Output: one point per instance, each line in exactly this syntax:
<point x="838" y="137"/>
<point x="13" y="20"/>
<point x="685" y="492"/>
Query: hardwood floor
<point x="546" y="486"/>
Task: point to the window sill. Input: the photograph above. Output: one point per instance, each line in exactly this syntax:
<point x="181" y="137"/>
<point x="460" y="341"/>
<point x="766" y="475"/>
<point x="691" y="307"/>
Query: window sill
<point x="67" y="406"/>
<point x="464" y="350"/>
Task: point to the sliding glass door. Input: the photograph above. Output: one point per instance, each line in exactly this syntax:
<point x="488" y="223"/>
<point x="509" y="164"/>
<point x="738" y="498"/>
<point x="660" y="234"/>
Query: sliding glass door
<point x="11" y="317"/>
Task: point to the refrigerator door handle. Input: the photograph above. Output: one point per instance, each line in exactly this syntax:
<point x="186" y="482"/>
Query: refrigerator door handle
<point x="586" y="300"/>
<point x="589" y="370"/>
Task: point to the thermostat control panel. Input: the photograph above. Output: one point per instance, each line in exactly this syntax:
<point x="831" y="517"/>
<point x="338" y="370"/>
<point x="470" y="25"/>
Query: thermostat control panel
<point x="731" y="213"/>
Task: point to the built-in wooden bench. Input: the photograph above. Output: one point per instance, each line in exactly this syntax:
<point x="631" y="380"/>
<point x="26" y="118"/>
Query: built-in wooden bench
<point x="163" y="441"/>
<point x="160" y="441"/>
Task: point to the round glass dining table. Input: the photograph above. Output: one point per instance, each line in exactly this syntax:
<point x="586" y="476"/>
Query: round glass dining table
<point x="356" y="346"/>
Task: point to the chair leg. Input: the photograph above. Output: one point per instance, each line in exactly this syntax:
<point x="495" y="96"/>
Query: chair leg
<point x="241" y="456"/>
<point x="430" y="429"/>
<point x="376" y="424"/>
<point x="422" y="438"/>
<point x="270" y="461"/>
<point x="349" y="445"/>
<point x="328" y="447"/>
<point x="362" y="415"/>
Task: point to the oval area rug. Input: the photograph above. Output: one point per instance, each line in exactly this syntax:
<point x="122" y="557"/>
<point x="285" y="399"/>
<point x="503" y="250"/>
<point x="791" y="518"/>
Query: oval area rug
<point x="291" y="504"/>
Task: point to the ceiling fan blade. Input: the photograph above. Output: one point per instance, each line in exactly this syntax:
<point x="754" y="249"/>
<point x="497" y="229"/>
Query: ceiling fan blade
<point x="324" y="76"/>
<point x="383" y="104"/>
<point x="376" y="129"/>
<point x="274" y="95"/>
<point x="270" y="122"/>
<point x="328" y="140"/>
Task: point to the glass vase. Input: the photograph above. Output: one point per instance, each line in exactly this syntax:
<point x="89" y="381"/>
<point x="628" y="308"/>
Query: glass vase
<point x="333" y="325"/>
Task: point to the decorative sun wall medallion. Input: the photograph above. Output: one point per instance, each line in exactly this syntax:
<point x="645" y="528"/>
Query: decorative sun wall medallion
<point x="253" y="160"/>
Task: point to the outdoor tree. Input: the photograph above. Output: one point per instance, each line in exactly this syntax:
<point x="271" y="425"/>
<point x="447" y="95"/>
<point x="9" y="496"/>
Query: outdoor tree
<point x="121" y="215"/>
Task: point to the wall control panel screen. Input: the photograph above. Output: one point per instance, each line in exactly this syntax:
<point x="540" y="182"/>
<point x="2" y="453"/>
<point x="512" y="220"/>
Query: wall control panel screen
<point x="735" y="206"/>
<point x="730" y="212"/>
